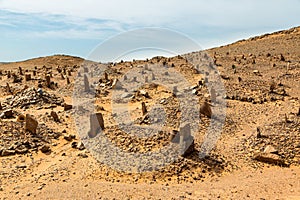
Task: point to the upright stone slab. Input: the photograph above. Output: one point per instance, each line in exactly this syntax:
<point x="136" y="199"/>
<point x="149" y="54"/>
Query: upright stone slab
<point x="186" y="140"/>
<point x="8" y="88"/>
<point x="96" y="123"/>
<point x="27" y="77"/>
<point x="20" y="70"/>
<point x="213" y="95"/>
<point x="205" y="109"/>
<point x="86" y="83"/>
<point x="48" y="81"/>
<point x="144" y="108"/>
<point x="31" y="124"/>
<point x="116" y="84"/>
<point x="105" y="76"/>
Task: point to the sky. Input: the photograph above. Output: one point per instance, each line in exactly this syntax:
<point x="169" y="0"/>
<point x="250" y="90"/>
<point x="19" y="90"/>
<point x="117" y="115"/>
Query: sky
<point x="31" y="28"/>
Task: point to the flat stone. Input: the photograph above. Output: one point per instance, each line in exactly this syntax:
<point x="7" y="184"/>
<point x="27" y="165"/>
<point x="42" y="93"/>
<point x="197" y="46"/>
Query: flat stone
<point x="7" y="152"/>
<point x="270" y="149"/>
<point x="8" y="113"/>
<point x="269" y="158"/>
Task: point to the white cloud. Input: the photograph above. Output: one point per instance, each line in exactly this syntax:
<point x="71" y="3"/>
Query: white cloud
<point x="157" y="12"/>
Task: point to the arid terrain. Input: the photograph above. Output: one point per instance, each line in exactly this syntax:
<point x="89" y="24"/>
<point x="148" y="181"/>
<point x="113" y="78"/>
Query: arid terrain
<point x="257" y="155"/>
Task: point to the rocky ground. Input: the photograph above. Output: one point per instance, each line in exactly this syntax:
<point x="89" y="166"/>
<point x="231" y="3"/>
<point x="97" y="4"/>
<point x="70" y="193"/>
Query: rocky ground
<point x="257" y="156"/>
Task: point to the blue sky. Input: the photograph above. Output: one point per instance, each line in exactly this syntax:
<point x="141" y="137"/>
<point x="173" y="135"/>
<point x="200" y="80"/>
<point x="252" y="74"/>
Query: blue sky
<point x="31" y="28"/>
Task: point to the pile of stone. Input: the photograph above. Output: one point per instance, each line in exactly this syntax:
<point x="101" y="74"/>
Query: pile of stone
<point x="25" y="136"/>
<point x="277" y="143"/>
<point x="32" y="96"/>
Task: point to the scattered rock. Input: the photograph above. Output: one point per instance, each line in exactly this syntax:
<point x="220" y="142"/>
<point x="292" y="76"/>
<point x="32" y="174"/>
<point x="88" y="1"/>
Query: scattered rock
<point x="82" y="155"/>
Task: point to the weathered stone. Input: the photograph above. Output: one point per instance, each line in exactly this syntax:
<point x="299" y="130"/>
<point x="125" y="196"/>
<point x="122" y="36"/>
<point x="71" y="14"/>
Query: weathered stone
<point x="205" y="109"/>
<point x="105" y="76"/>
<point x="82" y="155"/>
<point x="21" y="118"/>
<point x="144" y="109"/>
<point x="144" y="93"/>
<point x="48" y="81"/>
<point x="6" y="152"/>
<point x="270" y="149"/>
<point x="54" y="116"/>
<point x="86" y="83"/>
<point x="69" y="137"/>
<point x="68" y="81"/>
<point x="269" y="158"/>
<point x="116" y="84"/>
<point x="27" y="77"/>
<point x="80" y="146"/>
<point x="67" y="107"/>
<point x="31" y="124"/>
<point x="8" y="113"/>
<point x="8" y="89"/>
<point x="186" y="140"/>
<point x="45" y="148"/>
<point x="0" y="106"/>
<point x="20" y="71"/>
<point x="213" y="95"/>
<point x="96" y="123"/>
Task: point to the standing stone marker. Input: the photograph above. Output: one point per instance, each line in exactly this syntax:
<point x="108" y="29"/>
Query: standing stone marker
<point x="144" y="108"/>
<point x="96" y="123"/>
<point x="31" y="124"/>
<point x="86" y="83"/>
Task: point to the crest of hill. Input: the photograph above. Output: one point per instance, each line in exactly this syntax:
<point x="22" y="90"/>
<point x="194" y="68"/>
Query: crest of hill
<point x="280" y="42"/>
<point x="54" y="61"/>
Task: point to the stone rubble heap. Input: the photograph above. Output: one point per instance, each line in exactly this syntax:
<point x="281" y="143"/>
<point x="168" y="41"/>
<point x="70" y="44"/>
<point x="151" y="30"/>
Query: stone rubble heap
<point x="32" y="96"/>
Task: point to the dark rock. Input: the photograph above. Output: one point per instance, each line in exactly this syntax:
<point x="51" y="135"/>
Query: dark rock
<point x="7" y="113"/>
<point x="80" y="146"/>
<point x="31" y="124"/>
<point x="69" y="137"/>
<point x="82" y="155"/>
<point x="74" y="145"/>
<point x="6" y="152"/>
<point x="54" y="116"/>
<point x="67" y="107"/>
<point x="45" y="149"/>
<point x="205" y="109"/>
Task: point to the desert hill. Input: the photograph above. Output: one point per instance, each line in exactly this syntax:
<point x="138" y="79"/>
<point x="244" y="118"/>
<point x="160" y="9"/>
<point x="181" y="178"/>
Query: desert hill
<point x="257" y="155"/>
